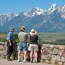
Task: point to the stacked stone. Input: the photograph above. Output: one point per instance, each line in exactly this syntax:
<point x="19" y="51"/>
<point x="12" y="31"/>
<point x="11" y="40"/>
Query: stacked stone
<point x="48" y="53"/>
<point x="3" y="49"/>
<point x="53" y="54"/>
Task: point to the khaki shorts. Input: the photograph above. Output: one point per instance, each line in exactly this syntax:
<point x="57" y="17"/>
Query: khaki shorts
<point x="33" y="47"/>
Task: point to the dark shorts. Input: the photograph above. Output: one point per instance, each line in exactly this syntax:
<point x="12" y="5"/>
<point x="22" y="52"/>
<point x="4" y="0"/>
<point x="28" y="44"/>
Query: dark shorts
<point x="22" y="46"/>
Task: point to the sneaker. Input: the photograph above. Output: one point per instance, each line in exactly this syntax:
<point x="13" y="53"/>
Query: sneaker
<point x="31" y="61"/>
<point x="8" y="58"/>
<point x="24" y="61"/>
<point x="18" y="60"/>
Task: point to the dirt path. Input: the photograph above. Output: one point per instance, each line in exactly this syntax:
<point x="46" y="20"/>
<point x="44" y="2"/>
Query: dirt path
<point x="5" y="62"/>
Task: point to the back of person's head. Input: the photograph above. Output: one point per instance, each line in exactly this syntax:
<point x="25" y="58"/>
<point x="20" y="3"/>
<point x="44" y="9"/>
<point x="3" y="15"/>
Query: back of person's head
<point x="33" y="32"/>
<point x="12" y="29"/>
<point x="23" y="28"/>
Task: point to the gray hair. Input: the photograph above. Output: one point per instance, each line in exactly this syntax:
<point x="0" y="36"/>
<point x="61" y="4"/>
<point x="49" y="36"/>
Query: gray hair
<point x="12" y="29"/>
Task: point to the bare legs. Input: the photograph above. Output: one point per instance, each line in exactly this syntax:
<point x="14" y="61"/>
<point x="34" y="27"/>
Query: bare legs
<point x="19" y="53"/>
<point x="25" y="54"/>
<point x="35" y="52"/>
<point x="31" y="55"/>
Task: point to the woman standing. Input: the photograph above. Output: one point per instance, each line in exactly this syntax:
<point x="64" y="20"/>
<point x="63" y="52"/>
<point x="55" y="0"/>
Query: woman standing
<point x="33" y="47"/>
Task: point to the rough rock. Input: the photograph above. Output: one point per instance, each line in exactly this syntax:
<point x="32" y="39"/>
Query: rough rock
<point x="44" y="57"/>
<point x="62" y="59"/>
<point x="1" y="47"/>
<point x="52" y="61"/>
<point x="60" y="52"/>
<point x="54" y="57"/>
<point x="63" y="54"/>
<point x="55" y="51"/>
<point x="60" y="63"/>
<point x="45" y="52"/>
<point x="58" y="58"/>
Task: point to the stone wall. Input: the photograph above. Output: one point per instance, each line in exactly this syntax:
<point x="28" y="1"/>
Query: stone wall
<point x="3" y="49"/>
<point x="53" y="53"/>
<point x="47" y="53"/>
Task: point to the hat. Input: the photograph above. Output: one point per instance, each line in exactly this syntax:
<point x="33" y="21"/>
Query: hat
<point x="33" y="32"/>
<point x="23" y="28"/>
<point x="12" y="29"/>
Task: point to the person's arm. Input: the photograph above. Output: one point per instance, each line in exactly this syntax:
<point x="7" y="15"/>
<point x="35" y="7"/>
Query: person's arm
<point x="10" y="43"/>
<point x="8" y="38"/>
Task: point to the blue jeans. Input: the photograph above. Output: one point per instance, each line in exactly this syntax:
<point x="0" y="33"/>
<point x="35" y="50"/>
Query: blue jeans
<point x="9" y="49"/>
<point x="22" y="46"/>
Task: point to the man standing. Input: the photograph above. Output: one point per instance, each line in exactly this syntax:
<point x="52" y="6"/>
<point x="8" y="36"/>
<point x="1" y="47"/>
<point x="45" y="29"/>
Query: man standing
<point x="10" y="40"/>
<point x="23" y="43"/>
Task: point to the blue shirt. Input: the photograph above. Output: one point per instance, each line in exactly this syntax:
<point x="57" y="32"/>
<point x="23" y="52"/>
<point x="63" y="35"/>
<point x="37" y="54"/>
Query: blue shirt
<point x="10" y="36"/>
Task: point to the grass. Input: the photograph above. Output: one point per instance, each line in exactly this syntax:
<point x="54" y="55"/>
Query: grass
<point x="49" y="62"/>
<point x="22" y="58"/>
<point x="51" y="36"/>
<point x="42" y="61"/>
<point x="14" y="57"/>
<point x="57" y="63"/>
<point x="3" y="35"/>
<point x="4" y="57"/>
<point x="44" y="38"/>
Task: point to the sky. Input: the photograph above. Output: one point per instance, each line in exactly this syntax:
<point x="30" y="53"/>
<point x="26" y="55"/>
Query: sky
<point x="17" y="6"/>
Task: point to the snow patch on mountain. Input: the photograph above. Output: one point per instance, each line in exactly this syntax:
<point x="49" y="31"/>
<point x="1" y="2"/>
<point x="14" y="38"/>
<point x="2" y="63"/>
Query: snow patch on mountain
<point x="53" y="8"/>
<point x="0" y="14"/>
<point x="63" y="11"/>
<point x="34" y="11"/>
<point x="5" y="14"/>
<point x="11" y="15"/>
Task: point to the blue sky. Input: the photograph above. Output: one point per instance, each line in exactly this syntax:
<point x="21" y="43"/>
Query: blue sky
<point x="17" y="6"/>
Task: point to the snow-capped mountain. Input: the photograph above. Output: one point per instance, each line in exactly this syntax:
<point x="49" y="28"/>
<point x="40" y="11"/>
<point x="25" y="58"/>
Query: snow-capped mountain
<point x="11" y="15"/>
<point x="52" y="20"/>
<point x="34" y="11"/>
<point x="63" y="11"/>
<point x="37" y="11"/>
<point x="6" y="17"/>
<point x="53" y="8"/>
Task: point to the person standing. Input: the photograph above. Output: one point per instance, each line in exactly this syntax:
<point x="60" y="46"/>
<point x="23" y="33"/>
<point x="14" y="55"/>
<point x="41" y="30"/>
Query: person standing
<point x="23" y="43"/>
<point x="10" y="40"/>
<point x="33" y="47"/>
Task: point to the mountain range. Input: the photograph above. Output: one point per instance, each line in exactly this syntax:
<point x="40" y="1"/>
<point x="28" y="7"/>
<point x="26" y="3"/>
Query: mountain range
<point x="52" y="20"/>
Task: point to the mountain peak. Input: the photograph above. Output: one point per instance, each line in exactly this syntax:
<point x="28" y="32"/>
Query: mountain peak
<point x="5" y="14"/>
<point x="10" y="12"/>
<point x="53" y="7"/>
<point x="63" y="6"/>
<point x="31" y="8"/>
<point x="37" y="7"/>
<point x="21" y="13"/>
